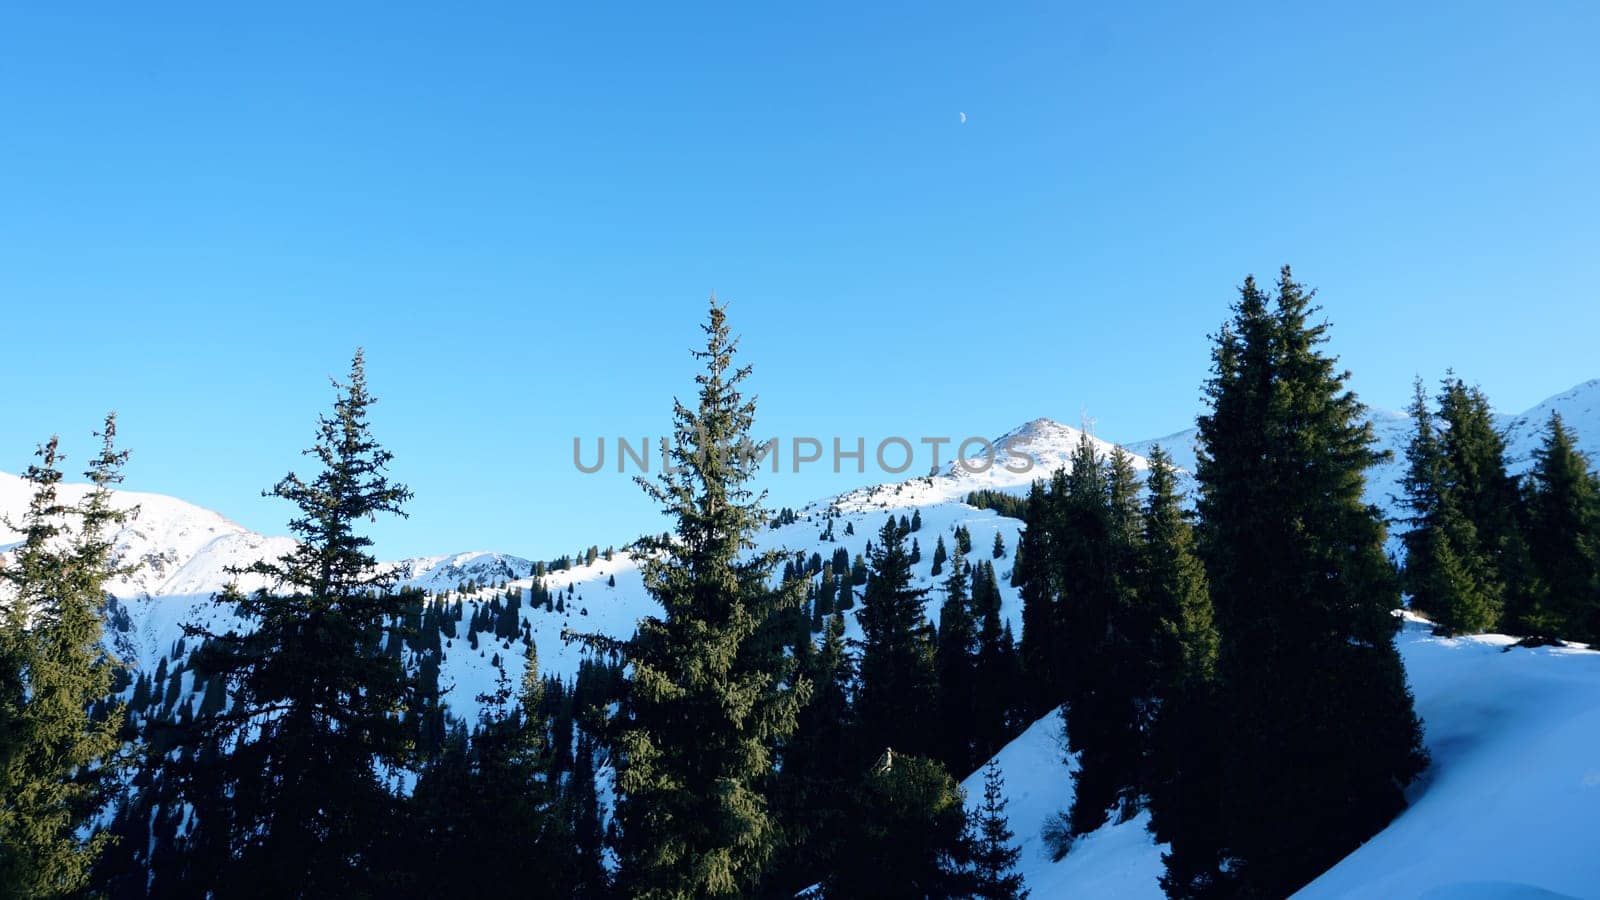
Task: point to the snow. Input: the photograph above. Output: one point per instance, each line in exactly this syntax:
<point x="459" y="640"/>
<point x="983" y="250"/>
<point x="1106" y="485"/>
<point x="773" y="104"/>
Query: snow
<point x="1508" y="809"/>
<point x="1513" y="796"/>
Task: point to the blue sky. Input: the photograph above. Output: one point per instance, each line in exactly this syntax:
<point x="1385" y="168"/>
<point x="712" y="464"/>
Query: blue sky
<point x="519" y="212"/>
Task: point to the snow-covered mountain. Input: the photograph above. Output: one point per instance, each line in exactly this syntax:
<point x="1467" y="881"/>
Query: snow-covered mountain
<point x="1478" y="740"/>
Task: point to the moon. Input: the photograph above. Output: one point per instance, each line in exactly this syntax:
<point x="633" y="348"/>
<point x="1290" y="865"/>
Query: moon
<point x="963" y="118"/>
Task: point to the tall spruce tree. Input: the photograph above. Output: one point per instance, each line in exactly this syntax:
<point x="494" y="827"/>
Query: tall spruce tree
<point x="1485" y="495"/>
<point x="1181" y="773"/>
<point x="58" y="738"/>
<point x="1097" y="559"/>
<point x="1044" y="678"/>
<point x="1446" y="573"/>
<point x="1320" y="731"/>
<point x="995" y="855"/>
<point x="998" y="676"/>
<point x="299" y="767"/>
<point x="897" y="705"/>
<point x="821" y="767"/>
<point x="909" y="840"/>
<point x="1564" y="539"/>
<point x="955" y="660"/>
<point x="710" y="692"/>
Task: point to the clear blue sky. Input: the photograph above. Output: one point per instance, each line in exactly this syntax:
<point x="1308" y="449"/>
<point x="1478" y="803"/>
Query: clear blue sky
<point x="520" y="212"/>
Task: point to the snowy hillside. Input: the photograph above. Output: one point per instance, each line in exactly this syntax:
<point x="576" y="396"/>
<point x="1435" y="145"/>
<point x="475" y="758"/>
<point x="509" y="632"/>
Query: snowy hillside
<point x="1509" y="808"/>
<point x="1493" y="769"/>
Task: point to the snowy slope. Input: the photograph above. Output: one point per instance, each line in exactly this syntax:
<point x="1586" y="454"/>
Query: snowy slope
<point x="1510" y="807"/>
<point x="1463" y="687"/>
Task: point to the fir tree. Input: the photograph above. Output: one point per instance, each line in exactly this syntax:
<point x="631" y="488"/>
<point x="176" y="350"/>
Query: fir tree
<point x="1043" y="671"/>
<point x="1564" y="540"/>
<point x="1486" y="497"/>
<point x="1182" y="761"/>
<point x="940" y="556"/>
<point x="995" y="856"/>
<point x="898" y="677"/>
<point x="710" y="691"/>
<point x="1098" y="535"/>
<point x="821" y="768"/>
<point x="999" y="546"/>
<point x="997" y="671"/>
<point x="1320" y="732"/>
<point x="955" y="661"/>
<point x="58" y="739"/>
<point x="303" y="753"/>
<point x="1444" y="572"/>
<point x="485" y="815"/>
<point x="910" y="839"/>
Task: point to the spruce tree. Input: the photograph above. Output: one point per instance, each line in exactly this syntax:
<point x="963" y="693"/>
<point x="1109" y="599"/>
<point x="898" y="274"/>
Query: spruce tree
<point x="897" y="704"/>
<point x="1445" y="571"/>
<point x="1097" y="556"/>
<point x="1181" y="772"/>
<point x="909" y="840"/>
<point x="710" y="694"/>
<point x="305" y="754"/>
<point x="955" y="661"/>
<point x="995" y="856"/>
<point x="1037" y="582"/>
<point x="1320" y="732"/>
<point x="997" y="673"/>
<point x="58" y="737"/>
<point x="1564" y="540"/>
<point x="1485" y="496"/>
<point x="486" y="815"/>
<point x="821" y="766"/>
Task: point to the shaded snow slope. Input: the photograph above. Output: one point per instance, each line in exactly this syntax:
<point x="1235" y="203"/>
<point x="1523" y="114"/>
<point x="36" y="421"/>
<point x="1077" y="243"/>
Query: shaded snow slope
<point x="1510" y="807"/>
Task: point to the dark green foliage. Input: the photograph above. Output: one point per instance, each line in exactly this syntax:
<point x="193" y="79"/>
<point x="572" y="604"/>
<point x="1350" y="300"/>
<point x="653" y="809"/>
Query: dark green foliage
<point x="484" y="813"/>
<point x="940" y="556"/>
<point x="821" y="767"/>
<point x="1182" y="761"/>
<point x="997" y="717"/>
<point x="304" y="753"/>
<point x="955" y="661"/>
<point x="710" y="694"/>
<point x="1318" y="724"/>
<point x="58" y="739"/>
<point x="898" y="678"/>
<point x="994" y="855"/>
<point x="1446" y="573"/>
<point x="1102" y="633"/>
<point x="1009" y="505"/>
<point x="999" y="550"/>
<point x="1563" y="540"/>
<point x="1037" y="580"/>
<point x="1487" y="498"/>
<point x="963" y="540"/>
<point x="909" y="840"/>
